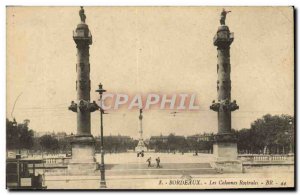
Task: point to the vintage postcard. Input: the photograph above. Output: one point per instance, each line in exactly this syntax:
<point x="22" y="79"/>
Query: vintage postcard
<point x="187" y="98"/>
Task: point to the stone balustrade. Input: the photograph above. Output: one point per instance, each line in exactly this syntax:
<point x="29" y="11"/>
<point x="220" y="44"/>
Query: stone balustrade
<point x="266" y="158"/>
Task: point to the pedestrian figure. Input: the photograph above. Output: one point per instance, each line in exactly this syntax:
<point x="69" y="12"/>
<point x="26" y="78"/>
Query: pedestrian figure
<point x="142" y="153"/>
<point x="149" y="162"/>
<point x="157" y="162"/>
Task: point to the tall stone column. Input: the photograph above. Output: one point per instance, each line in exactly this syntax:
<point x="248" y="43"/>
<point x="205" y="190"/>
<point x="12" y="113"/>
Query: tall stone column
<point x="83" y="144"/>
<point x="141" y="145"/>
<point x="225" y="146"/>
<point x="141" y="124"/>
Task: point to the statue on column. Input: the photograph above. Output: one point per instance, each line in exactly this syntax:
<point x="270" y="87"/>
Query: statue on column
<point x="223" y="16"/>
<point x="82" y="15"/>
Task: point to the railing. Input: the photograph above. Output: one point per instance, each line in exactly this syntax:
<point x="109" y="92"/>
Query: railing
<point x="266" y="158"/>
<point x="53" y="161"/>
<point x="56" y="161"/>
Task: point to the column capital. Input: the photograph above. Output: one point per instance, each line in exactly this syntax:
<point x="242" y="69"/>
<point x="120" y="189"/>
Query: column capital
<point x="224" y="37"/>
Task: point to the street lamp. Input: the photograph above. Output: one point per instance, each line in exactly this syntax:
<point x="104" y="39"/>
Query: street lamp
<point x="102" y="167"/>
<point x="290" y="136"/>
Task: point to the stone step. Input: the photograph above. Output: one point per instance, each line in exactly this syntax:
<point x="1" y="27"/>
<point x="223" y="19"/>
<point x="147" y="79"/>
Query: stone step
<point x="82" y="168"/>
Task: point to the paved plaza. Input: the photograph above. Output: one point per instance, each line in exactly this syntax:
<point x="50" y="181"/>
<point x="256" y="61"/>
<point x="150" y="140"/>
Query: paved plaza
<point x="125" y="170"/>
<point x="131" y="158"/>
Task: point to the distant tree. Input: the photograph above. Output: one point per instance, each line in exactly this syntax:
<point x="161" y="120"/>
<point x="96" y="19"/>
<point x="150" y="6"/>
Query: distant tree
<point x="18" y="136"/>
<point x="193" y="145"/>
<point x="12" y="135"/>
<point x="269" y="133"/>
<point x="172" y="142"/>
<point x="245" y="141"/>
<point x="64" y="145"/>
<point x="176" y="143"/>
<point x="49" y="143"/>
<point x="26" y="122"/>
<point x="114" y="144"/>
<point x="204" y="145"/>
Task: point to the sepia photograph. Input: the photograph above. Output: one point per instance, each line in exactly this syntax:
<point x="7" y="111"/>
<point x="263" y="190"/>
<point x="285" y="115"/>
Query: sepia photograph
<point x="150" y="98"/>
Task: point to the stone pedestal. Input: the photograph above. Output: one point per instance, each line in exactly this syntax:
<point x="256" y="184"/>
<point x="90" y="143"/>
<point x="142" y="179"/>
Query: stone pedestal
<point x="141" y="146"/>
<point x="226" y="158"/>
<point x="225" y="150"/>
<point x="83" y="161"/>
<point x="226" y="154"/>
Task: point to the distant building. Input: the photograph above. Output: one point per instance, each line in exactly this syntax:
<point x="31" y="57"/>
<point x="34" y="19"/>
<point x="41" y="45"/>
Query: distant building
<point x="60" y="135"/>
<point x="201" y="137"/>
<point x="161" y="138"/>
<point x="40" y="134"/>
<point x="119" y="138"/>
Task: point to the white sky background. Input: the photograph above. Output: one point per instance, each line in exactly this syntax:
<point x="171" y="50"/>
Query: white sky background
<point x="173" y="50"/>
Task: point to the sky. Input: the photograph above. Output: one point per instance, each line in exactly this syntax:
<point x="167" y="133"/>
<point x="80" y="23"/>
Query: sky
<point x="148" y="50"/>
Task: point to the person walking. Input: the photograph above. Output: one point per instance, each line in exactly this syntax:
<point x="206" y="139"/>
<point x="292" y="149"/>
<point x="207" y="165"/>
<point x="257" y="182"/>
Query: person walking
<point x="157" y="162"/>
<point x="149" y="162"/>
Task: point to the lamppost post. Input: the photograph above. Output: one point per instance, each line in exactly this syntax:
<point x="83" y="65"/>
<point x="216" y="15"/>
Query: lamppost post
<point x="290" y="135"/>
<point x="102" y="166"/>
